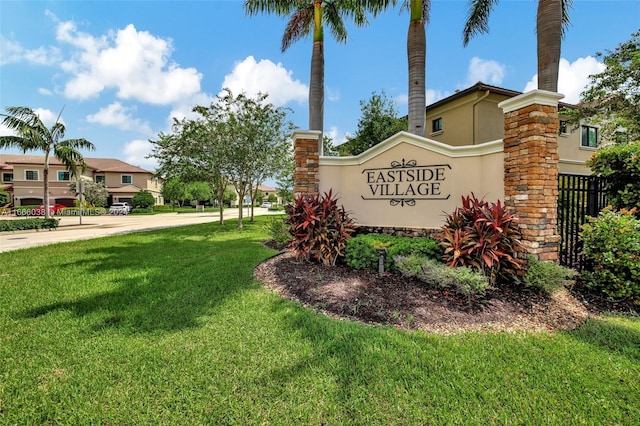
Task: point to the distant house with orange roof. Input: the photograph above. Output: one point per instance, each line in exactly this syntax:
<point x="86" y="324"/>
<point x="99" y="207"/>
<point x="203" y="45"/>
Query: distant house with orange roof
<point x="22" y="177"/>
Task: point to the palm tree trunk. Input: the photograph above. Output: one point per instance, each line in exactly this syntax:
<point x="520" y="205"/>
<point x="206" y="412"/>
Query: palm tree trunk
<point x="416" y="55"/>
<point x="45" y="177"/>
<point x="316" y="87"/>
<point x="549" y="34"/>
<point x="316" y="80"/>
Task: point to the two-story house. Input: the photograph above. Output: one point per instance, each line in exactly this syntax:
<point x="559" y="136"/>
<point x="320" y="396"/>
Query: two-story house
<point x="472" y="116"/>
<point x="22" y="177"/>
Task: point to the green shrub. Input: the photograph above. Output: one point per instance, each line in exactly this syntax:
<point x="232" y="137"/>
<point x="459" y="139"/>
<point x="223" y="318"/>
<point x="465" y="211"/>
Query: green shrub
<point x="483" y="236"/>
<point x="612" y="252"/>
<point x="143" y="200"/>
<point x="279" y="231"/>
<point x="319" y="228"/>
<point x="361" y="250"/>
<point x="546" y="276"/>
<point x="31" y="223"/>
<point x="621" y="165"/>
<point x="465" y="281"/>
<point x="141" y="210"/>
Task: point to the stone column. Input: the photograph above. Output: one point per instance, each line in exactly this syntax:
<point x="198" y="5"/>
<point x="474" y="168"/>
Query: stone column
<point x="306" y="156"/>
<point x="531" y="169"/>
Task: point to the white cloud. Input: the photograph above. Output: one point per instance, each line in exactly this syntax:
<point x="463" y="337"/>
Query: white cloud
<point x="5" y="131"/>
<point x="48" y="117"/>
<point x="13" y="52"/>
<point x="135" y="152"/>
<point x="573" y="78"/>
<point x="435" y="95"/>
<point x="45" y="92"/>
<point x="265" y="76"/>
<point x="120" y="117"/>
<point x="486" y="71"/>
<point x="134" y="63"/>
<point x="337" y="138"/>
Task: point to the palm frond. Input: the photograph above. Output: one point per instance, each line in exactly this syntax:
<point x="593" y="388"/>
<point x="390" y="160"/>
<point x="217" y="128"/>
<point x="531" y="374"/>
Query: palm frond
<point x="335" y="23"/>
<point x="299" y="26"/>
<point x="279" y="7"/>
<point x="566" y="5"/>
<point x="478" y="19"/>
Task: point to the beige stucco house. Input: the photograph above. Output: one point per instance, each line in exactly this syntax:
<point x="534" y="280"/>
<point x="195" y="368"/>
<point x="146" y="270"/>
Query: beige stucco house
<point x="472" y="117"/>
<point x="22" y="177"/>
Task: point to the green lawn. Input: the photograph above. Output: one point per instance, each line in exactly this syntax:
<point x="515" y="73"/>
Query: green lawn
<point x="169" y="328"/>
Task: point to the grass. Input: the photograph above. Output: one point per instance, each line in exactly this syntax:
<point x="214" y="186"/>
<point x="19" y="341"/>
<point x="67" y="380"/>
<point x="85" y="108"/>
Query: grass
<point x="168" y="327"/>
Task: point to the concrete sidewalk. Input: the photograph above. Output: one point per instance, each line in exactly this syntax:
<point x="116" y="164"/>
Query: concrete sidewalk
<point x="70" y="228"/>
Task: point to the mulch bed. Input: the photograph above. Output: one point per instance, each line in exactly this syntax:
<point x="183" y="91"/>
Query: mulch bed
<point x="389" y="298"/>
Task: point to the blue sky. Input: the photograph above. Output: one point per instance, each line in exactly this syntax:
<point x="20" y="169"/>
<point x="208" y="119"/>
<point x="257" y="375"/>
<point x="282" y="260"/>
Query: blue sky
<point x="122" y="69"/>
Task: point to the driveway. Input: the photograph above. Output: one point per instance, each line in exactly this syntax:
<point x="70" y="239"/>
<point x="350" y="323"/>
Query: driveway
<point x="70" y="228"/>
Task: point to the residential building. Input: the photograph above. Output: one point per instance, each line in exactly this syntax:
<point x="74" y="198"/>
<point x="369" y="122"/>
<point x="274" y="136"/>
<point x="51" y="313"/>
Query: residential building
<point x="472" y="117"/>
<point x="22" y="177"/>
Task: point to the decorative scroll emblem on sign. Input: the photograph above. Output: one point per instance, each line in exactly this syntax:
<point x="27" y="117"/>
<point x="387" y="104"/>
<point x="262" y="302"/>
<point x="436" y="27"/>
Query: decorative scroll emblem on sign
<point x="405" y="182"/>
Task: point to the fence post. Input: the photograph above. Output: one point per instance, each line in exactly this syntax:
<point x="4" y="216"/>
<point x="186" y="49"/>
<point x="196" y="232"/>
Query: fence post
<point x="531" y="169"/>
<point x="306" y="155"/>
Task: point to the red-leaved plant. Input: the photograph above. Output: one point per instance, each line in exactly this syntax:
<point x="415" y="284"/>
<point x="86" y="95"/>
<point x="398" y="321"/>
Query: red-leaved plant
<point x="483" y="236"/>
<point x="320" y="229"/>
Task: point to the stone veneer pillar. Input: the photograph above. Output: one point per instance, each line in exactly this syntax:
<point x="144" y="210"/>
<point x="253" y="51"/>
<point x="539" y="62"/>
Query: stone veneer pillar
<point x="531" y="169"/>
<point x="306" y="156"/>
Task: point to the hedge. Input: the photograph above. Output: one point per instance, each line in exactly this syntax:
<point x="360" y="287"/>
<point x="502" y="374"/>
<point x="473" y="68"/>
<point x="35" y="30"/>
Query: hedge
<point x="31" y="223"/>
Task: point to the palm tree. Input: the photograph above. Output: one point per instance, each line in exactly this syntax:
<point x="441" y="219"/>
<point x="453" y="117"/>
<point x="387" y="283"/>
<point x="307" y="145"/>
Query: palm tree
<point x="307" y="17"/>
<point x="551" y="21"/>
<point x="32" y="135"/>
<point x="416" y="57"/>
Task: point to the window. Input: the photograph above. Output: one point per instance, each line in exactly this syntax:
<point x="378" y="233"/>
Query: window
<point x="31" y="174"/>
<point x="63" y="176"/>
<point x="100" y="179"/>
<point x="7" y="177"/>
<point x="563" y="127"/>
<point x="589" y="137"/>
<point x="436" y="125"/>
<point x="126" y="179"/>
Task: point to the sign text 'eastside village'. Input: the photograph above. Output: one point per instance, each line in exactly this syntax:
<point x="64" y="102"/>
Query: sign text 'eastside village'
<point x="405" y="182"/>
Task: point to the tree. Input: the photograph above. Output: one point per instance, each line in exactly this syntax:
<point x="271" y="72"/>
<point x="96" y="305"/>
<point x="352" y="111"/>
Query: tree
<point x="284" y="182"/>
<point x="255" y="139"/>
<point x="192" y="153"/>
<point x="552" y="18"/>
<point x="612" y="99"/>
<point x="328" y="150"/>
<point x="416" y="58"/>
<point x="378" y="122"/>
<point x="4" y="197"/>
<point x="200" y="192"/>
<point x="308" y="17"/>
<point x="33" y="135"/>
<point x="174" y="190"/>
<point x="143" y="199"/>
<point x="95" y="194"/>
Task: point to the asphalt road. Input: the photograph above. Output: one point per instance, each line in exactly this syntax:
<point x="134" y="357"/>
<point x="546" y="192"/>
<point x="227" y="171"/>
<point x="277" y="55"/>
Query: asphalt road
<point x="70" y="228"/>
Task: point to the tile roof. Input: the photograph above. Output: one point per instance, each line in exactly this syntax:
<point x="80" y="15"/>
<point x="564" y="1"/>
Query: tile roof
<point x="127" y="189"/>
<point x="99" y="165"/>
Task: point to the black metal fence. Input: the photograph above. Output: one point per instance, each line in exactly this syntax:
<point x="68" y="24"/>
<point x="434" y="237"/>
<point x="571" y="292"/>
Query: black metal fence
<point x="579" y="196"/>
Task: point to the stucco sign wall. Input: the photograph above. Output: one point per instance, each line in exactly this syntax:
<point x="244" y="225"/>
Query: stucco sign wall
<point x="409" y="181"/>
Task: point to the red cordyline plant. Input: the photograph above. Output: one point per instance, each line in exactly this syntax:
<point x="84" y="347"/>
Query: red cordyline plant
<point x="483" y="236"/>
<point x="320" y="229"/>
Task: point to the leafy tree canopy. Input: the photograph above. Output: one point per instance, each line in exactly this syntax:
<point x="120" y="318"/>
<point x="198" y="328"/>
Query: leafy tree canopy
<point x="379" y="121"/>
<point x="92" y="192"/>
<point x="612" y="99"/>
<point x="143" y="199"/>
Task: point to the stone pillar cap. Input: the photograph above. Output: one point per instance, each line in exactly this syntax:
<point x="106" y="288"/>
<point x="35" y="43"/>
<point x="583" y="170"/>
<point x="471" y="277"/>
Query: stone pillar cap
<point x="539" y="97"/>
